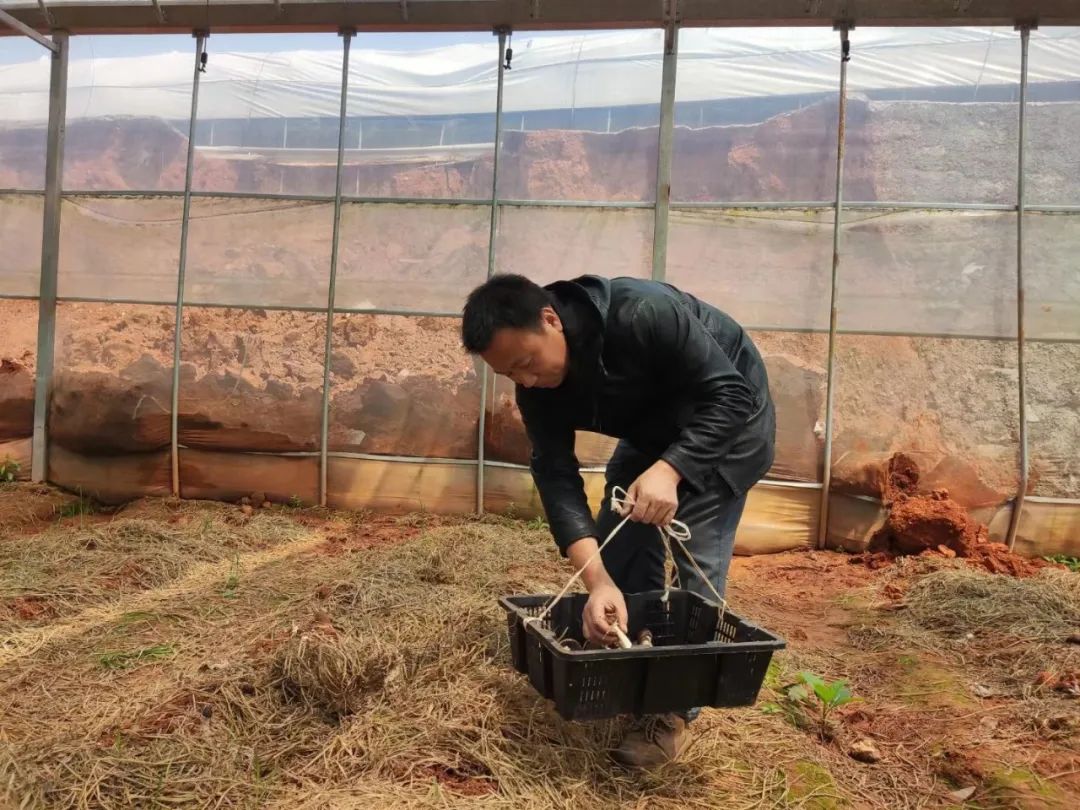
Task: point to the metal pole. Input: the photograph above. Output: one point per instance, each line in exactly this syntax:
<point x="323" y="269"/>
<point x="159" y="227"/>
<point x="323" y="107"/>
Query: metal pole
<point x="25" y="29"/>
<point x="484" y="373"/>
<point x="346" y="40"/>
<point x="663" y="159"/>
<point x="50" y="255"/>
<point x="830" y="384"/>
<point x="1021" y="492"/>
<point x="185" y="221"/>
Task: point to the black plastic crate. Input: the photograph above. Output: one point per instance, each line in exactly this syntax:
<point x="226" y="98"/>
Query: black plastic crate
<point x="694" y="662"/>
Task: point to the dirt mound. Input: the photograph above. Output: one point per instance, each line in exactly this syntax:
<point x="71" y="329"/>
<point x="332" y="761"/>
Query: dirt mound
<point x="16" y="400"/>
<point x="504" y="433"/>
<point x="933" y="524"/>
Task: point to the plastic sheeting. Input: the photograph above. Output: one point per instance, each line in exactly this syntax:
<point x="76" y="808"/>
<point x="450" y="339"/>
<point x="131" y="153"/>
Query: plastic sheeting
<point x="119" y="249"/>
<point x="935" y="272"/>
<point x="548" y="244"/>
<point x="255" y="253"/>
<point x="571" y="71"/>
<point x="109" y="409"/>
<point x="402" y="386"/>
<point x="21" y="223"/>
<point x="418" y="257"/>
<point x="767" y="269"/>
<point x="18" y="362"/>
<point x="251" y="379"/>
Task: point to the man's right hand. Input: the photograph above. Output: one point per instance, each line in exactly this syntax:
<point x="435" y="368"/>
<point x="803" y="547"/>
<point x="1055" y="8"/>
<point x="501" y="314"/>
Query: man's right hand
<point x="606" y="605"/>
<point x="606" y="608"/>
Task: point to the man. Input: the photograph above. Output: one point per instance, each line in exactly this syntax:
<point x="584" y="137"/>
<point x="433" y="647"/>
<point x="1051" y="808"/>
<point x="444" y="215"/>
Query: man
<point x="683" y="388"/>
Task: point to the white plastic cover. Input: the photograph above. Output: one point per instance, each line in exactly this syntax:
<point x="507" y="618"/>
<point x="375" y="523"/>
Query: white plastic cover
<point x="578" y="70"/>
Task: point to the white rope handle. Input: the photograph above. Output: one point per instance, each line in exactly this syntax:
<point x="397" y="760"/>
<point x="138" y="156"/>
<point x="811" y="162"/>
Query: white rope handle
<point x="675" y="530"/>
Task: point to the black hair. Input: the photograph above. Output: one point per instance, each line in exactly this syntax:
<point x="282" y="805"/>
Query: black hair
<point x="502" y="302"/>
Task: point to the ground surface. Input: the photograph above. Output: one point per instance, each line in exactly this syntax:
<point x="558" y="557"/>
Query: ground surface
<point x="148" y="658"/>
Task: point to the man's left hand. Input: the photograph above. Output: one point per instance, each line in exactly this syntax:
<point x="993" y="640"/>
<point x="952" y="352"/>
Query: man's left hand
<point x="655" y="495"/>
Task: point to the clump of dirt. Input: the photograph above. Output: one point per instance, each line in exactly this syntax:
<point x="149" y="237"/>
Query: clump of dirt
<point x="933" y="524"/>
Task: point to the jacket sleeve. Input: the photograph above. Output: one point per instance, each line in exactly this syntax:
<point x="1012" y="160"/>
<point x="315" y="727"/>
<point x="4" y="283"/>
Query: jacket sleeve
<point x="677" y="342"/>
<point x="557" y="474"/>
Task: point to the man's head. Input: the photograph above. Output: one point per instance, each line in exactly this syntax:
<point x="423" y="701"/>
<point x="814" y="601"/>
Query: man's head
<point x="511" y="323"/>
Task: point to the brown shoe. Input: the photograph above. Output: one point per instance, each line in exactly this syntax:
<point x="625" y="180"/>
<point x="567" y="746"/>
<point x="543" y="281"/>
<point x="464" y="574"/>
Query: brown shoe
<point x="656" y="740"/>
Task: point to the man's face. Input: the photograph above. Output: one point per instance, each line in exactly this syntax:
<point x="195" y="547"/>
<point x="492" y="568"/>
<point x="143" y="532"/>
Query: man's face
<point x="533" y="359"/>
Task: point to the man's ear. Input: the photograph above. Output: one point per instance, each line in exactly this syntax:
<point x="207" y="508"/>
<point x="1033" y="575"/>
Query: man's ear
<point x="550" y="317"/>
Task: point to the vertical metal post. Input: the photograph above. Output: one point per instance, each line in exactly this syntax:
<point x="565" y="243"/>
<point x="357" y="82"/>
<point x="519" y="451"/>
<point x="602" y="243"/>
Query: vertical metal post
<point x="185" y="221"/>
<point x="50" y="254"/>
<point x="830" y="383"/>
<point x="346" y="40"/>
<point x="1021" y="492"/>
<point x="484" y="372"/>
<point x="663" y="159"/>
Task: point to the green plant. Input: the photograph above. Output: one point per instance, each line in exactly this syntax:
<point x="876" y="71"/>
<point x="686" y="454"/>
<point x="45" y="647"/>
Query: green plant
<point x="1072" y="563"/>
<point x="537" y="524"/>
<point x="830" y="695"/>
<point x="77" y="508"/>
<point x="295" y="502"/>
<point x="232" y="583"/>
<point x="122" y="660"/>
<point x="9" y="470"/>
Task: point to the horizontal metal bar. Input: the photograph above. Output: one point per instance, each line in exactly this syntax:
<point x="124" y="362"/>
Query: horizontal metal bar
<point x="675" y="206"/>
<point x="411" y="313"/>
<point x="271" y="453"/>
<point x="470" y="15"/>
<point x="416" y="313"/>
<point x="766" y="482"/>
<point x="450" y="462"/>
<point x="23" y="28"/>
<point x="868" y="205"/>
<point x="762" y="205"/>
<point x="576" y="204"/>
<point x="1052" y="500"/>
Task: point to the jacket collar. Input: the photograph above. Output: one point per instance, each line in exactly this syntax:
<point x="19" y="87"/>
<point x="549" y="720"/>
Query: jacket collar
<point x="582" y="305"/>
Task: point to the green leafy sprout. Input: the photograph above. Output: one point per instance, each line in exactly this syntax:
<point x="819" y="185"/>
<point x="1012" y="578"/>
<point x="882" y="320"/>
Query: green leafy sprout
<point x="830" y="695"/>
<point x="9" y="470"/>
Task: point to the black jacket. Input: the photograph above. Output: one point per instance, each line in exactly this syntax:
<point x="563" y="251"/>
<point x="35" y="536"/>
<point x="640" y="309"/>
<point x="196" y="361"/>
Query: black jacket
<point x="675" y="377"/>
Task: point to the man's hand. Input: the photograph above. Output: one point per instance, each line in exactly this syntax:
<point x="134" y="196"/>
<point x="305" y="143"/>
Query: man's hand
<point x="655" y="495"/>
<point x="606" y="605"/>
<point x="606" y="608"/>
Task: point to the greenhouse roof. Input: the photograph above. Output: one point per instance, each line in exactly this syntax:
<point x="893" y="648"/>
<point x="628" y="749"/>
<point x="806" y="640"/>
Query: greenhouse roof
<point x="619" y="68"/>
<point x="103" y="16"/>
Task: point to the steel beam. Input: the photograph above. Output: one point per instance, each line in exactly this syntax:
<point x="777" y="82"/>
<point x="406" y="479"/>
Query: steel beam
<point x="50" y="255"/>
<point x="664" y="144"/>
<point x="1021" y="491"/>
<point x="830" y="380"/>
<point x="185" y="221"/>
<point x="23" y="28"/>
<point x="138" y="16"/>
<point x="485" y="373"/>
<point x="346" y="42"/>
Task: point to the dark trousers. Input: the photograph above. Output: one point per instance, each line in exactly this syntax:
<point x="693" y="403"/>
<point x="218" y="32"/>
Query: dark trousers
<point x="635" y="558"/>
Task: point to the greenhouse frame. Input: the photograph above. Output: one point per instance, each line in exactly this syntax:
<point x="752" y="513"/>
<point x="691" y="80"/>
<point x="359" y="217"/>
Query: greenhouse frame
<point x="230" y="267"/>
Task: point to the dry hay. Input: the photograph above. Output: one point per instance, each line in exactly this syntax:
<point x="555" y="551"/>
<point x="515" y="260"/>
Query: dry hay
<point x="957" y="601"/>
<point x="76" y="563"/>
<point x="372" y="679"/>
<point x="325" y="669"/>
